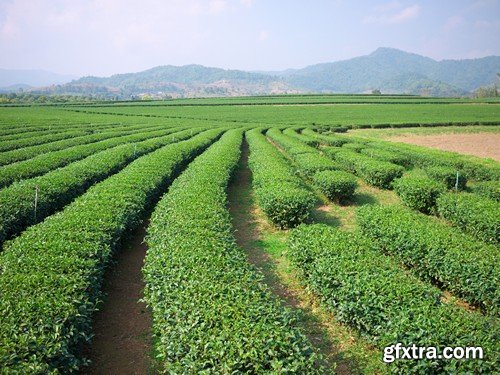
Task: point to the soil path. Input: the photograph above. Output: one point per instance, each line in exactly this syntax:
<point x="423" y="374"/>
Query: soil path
<point x="486" y="145"/>
<point x="122" y="327"/>
<point x="248" y="234"/>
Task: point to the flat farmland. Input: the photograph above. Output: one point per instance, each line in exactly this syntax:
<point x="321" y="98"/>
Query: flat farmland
<point x="261" y="235"/>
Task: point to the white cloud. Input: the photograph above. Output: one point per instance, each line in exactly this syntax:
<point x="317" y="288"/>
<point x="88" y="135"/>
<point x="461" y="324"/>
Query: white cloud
<point x="247" y="3"/>
<point x="263" y="35"/>
<point x="453" y="22"/>
<point x="217" y="6"/>
<point x="386" y="15"/>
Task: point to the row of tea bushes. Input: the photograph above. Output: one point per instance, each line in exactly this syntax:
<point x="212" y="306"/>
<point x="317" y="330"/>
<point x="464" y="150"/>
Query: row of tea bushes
<point x="24" y="153"/>
<point x="476" y="215"/>
<point x="436" y="252"/>
<point x="280" y="193"/>
<point x="18" y="143"/>
<point x="47" y="162"/>
<point x="59" y="187"/>
<point x="374" y="172"/>
<point x="211" y="312"/>
<point x="307" y="159"/>
<point x="375" y="295"/>
<point x="51" y="275"/>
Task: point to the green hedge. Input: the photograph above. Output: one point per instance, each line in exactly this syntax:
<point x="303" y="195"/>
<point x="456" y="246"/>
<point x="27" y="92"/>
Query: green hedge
<point x="436" y="252"/>
<point x="234" y="325"/>
<point x="19" y="143"/>
<point x="476" y="215"/>
<point x="488" y="189"/>
<point x="419" y="192"/>
<point x="379" y="298"/>
<point x="310" y="141"/>
<point x="24" y="153"/>
<point x="448" y="176"/>
<point x="373" y="172"/>
<point x="389" y="156"/>
<point x="336" y="185"/>
<point x="330" y="140"/>
<point x="307" y="159"/>
<point x="280" y="192"/>
<point x="61" y="186"/>
<point x="44" y="163"/>
<point x="52" y="273"/>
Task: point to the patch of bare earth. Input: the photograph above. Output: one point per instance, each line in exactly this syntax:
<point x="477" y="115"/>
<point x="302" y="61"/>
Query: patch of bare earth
<point x="485" y="145"/>
<point x="122" y="326"/>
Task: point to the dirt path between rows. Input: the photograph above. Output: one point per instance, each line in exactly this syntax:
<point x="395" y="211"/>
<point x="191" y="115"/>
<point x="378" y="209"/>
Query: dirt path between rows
<point x="122" y="327"/>
<point x="485" y="145"/>
<point x="247" y="232"/>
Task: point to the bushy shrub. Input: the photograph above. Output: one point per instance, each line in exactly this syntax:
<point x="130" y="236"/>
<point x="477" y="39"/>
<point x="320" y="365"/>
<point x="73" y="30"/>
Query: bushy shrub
<point x="52" y="273"/>
<point x="374" y="294"/>
<point x="389" y="156"/>
<point x="286" y="206"/>
<point x="488" y="189"/>
<point x="419" y="192"/>
<point x="336" y="185"/>
<point x="474" y="214"/>
<point x="373" y="172"/>
<point x="356" y="147"/>
<point x="436" y="252"/>
<point x="279" y="190"/>
<point x="212" y="314"/>
<point x="448" y="176"/>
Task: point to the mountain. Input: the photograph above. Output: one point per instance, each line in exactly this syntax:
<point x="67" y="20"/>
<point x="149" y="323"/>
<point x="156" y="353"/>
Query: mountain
<point x="386" y="69"/>
<point x="176" y="81"/>
<point x="395" y="71"/>
<point x="23" y="78"/>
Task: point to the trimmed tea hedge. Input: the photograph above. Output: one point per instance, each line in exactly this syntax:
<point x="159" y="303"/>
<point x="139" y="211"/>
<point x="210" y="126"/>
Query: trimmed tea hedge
<point x="389" y="156"/>
<point x="24" y="153"/>
<point x="488" y="189"/>
<point x="373" y="172"/>
<point x="310" y="141"/>
<point x="211" y="312"/>
<point x="330" y="140"/>
<point x="307" y="159"/>
<point x="474" y="214"/>
<point x="46" y="162"/>
<point x="51" y="275"/>
<point x="280" y="192"/>
<point x="419" y="192"/>
<point x="379" y="298"/>
<point x="436" y="252"/>
<point x="448" y="176"/>
<point x="336" y="185"/>
<point x="61" y="186"/>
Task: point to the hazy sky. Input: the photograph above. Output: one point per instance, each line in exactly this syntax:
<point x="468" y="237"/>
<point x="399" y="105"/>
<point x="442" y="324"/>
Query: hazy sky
<point x="102" y="37"/>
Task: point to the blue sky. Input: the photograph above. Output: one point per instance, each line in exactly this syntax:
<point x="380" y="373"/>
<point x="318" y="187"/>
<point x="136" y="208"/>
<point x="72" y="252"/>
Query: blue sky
<point x="103" y="37"/>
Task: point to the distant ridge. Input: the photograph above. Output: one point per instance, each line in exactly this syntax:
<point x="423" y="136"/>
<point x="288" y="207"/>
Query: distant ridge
<point x="386" y="69"/>
<point x="19" y="78"/>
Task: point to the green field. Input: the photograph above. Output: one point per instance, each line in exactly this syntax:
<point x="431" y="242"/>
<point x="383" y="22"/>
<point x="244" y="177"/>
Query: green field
<point x="282" y="235"/>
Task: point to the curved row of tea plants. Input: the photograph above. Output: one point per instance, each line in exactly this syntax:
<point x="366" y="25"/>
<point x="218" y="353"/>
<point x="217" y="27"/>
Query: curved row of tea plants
<point x="474" y="168"/>
<point x="44" y="163"/>
<point x="18" y="143"/>
<point x="379" y="298"/>
<point x="51" y="275"/>
<point x="436" y="252"/>
<point x="310" y="141"/>
<point x="24" y="153"/>
<point x="211" y="312"/>
<point x="280" y="193"/>
<point x="374" y="172"/>
<point x="476" y="215"/>
<point x="59" y="187"/>
<point x="307" y="159"/>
